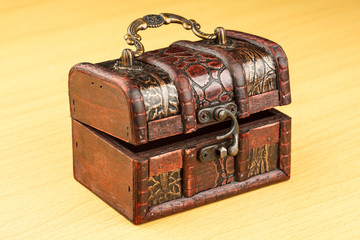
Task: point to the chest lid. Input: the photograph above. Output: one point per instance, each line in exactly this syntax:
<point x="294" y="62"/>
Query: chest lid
<point x="146" y="96"/>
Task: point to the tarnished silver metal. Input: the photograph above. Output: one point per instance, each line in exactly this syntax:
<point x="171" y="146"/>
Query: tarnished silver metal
<point x="221" y="152"/>
<point x="220" y="113"/>
<point x="206" y="115"/>
<point x="153" y="21"/>
<point x="213" y="152"/>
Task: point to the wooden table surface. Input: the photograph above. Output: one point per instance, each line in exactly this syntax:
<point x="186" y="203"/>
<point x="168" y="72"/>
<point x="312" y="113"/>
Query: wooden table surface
<point x="40" y="41"/>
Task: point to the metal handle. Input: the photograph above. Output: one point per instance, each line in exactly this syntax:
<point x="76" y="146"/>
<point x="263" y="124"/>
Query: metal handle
<point x="155" y="21"/>
<point x="220" y="114"/>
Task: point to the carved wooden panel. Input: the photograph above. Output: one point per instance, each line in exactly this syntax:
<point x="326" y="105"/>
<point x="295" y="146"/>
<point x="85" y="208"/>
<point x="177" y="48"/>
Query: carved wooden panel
<point x="263" y="159"/>
<point x="165" y="187"/>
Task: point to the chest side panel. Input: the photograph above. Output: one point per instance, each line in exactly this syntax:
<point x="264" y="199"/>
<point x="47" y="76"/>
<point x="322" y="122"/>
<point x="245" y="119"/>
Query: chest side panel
<point x="103" y="169"/>
<point x="108" y="102"/>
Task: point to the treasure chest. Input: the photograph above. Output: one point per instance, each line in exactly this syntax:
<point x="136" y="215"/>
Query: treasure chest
<point x="160" y="132"/>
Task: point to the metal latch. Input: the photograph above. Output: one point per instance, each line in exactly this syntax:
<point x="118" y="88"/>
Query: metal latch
<point x="221" y="150"/>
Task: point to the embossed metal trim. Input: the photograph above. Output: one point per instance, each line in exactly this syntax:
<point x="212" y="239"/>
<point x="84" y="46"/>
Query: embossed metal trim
<point x="259" y="68"/>
<point x="153" y="20"/>
<point x="157" y="89"/>
<point x="263" y="159"/>
<point x="165" y="187"/>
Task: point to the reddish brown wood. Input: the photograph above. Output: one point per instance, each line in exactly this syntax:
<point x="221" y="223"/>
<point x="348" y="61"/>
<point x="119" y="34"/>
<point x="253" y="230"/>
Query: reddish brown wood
<point x="136" y="139"/>
<point x="189" y="176"/>
<point x="209" y="80"/>
<point x="285" y="146"/>
<point x="119" y="174"/>
<point x="217" y="173"/>
<point x="214" y="173"/>
<point x="263" y="135"/>
<point x="165" y="162"/>
<point x="98" y="95"/>
<point x="141" y="185"/>
<point x="139" y="116"/>
<point x="242" y="158"/>
<point x="165" y="127"/>
<point x="279" y="55"/>
<point x="263" y="101"/>
<point x="103" y="169"/>
<point x="214" y="194"/>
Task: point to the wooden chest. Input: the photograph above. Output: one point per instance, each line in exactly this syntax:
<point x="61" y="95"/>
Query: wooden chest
<point x="161" y="132"/>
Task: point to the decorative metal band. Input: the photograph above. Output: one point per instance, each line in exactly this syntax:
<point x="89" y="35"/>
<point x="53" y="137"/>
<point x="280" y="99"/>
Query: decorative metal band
<point x="263" y="159"/>
<point x="235" y="69"/>
<point x="279" y="56"/>
<point x="157" y="89"/>
<point x="164" y="187"/>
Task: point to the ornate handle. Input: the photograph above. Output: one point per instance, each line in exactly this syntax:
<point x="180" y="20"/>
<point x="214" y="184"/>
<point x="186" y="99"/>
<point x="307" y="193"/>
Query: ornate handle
<point x="154" y="21"/>
<point x="220" y="114"/>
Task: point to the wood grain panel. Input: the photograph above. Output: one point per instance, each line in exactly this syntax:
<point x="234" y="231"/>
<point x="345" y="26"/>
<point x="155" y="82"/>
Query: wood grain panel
<point x="165" y="162"/>
<point x="97" y="164"/>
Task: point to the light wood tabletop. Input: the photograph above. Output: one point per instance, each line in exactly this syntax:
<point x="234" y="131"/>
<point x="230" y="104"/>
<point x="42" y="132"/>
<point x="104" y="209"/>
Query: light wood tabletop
<point x="41" y="40"/>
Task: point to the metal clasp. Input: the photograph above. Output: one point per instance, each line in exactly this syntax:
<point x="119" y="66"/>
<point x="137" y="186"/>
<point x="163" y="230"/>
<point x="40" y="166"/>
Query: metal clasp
<point x="221" y="150"/>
